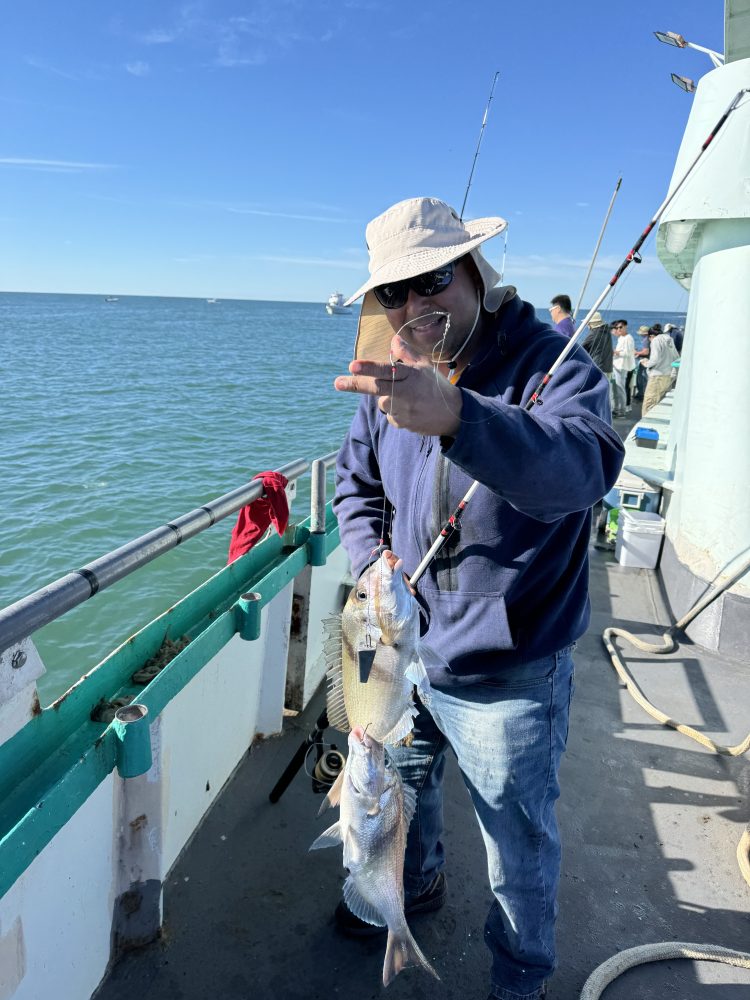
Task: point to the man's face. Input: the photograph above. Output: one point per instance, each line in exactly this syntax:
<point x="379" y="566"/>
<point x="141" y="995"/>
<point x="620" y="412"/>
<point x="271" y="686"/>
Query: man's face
<point x="620" y="329"/>
<point x="556" y="313"/>
<point x="459" y="300"/>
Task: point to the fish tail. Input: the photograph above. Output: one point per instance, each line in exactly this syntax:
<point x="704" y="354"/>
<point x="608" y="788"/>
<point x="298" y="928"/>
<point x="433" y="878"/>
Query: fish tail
<point x="401" y="952"/>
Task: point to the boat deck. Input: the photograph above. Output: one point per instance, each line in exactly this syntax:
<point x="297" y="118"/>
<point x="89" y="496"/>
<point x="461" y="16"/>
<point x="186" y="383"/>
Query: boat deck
<point x="650" y="824"/>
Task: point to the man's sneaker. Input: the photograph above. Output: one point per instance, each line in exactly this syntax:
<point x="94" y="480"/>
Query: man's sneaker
<point x="431" y="899"/>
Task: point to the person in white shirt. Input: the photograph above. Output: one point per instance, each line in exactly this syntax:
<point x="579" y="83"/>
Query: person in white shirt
<point x="623" y="362"/>
<point x="659" y="365"/>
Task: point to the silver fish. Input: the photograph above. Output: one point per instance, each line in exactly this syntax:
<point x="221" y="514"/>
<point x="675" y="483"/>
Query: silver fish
<point x="375" y="811"/>
<point x="374" y="655"/>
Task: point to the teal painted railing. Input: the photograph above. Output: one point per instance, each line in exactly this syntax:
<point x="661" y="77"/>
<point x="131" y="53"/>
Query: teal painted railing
<point x="52" y="765"/>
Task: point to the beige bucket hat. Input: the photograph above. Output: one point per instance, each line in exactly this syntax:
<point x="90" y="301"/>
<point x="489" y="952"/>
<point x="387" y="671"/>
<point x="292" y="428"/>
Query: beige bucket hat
<point x="596" y="320"/>
<point x="408" y="239"/>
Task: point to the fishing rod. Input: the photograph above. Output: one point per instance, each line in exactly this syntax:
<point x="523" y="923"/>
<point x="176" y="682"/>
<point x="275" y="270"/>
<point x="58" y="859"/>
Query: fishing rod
<point x="479" y="143"/>
<point x="632" y="257"/>
<point x="596" y="248"/>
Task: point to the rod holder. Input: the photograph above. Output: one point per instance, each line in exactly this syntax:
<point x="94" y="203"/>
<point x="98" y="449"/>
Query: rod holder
<point x="316" y="545"/>
<point x="248" y="616"/>
<point x="132" y="729"/>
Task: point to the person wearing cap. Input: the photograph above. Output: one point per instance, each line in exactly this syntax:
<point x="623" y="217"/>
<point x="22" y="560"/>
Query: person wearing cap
<point x="641" y="373"/>
<point x="676" y="333"/>
<point x="659" y="364"/>
<point x="598" y="342"/>
<point x="445" y="361"/>
<point x="623" y="363"/>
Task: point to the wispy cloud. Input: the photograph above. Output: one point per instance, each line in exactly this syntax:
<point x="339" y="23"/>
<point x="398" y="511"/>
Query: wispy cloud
<point x="582" y="204"/>
<point x="239" y="210"/>
<point x="539" y="266"/>
<point x="312" y="261"/>
<point x="138" y="68"/>
<point x="114" y="200"/>
<point x="244" y="40"/>
<point x="230" y="56"/>
<point x="159" y="36"/>
<point x="306" y="211"/>
<point x="66" y="166"/>
<point x="46" y="67"/>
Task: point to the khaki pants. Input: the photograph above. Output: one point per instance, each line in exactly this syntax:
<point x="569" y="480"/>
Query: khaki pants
<point x="656" y="389"/>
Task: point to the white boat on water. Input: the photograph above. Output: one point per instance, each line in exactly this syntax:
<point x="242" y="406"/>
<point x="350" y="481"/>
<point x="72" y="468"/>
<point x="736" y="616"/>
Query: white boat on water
<point x="335" y="305"/>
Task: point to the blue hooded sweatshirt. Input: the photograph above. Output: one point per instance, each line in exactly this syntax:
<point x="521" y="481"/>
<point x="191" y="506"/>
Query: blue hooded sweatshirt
<point x="512" y="585"/>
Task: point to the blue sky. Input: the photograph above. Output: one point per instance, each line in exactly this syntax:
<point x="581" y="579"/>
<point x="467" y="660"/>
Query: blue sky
<point x="237" y="150"/>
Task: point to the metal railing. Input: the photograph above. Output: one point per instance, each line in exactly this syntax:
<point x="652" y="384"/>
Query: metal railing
<point x="318" y="491"/>
<point x="20" y="620"/>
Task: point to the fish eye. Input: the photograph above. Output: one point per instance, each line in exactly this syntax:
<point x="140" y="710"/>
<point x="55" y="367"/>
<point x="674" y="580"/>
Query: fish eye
<point x="361" y="595"/>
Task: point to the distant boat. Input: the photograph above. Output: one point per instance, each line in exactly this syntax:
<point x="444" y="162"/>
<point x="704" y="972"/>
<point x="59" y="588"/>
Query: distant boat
<point x="111" y="298"/>
<point x="212" y="302"/>
<point x="335" y="305"/>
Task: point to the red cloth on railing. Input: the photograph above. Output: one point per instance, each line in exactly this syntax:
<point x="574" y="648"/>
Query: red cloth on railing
<point x="254" y="519"/>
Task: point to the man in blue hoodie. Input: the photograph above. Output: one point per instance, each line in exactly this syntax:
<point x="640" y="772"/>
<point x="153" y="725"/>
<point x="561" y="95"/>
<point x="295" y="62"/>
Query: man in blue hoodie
<point x="445" y="362"/>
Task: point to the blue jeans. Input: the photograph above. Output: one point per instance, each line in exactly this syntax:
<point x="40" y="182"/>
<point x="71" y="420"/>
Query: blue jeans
<point x="508" y="735"/>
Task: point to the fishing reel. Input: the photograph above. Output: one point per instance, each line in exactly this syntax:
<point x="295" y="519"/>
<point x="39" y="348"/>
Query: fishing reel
<point x="328" y="767"/>
<point x="329" y="762"/>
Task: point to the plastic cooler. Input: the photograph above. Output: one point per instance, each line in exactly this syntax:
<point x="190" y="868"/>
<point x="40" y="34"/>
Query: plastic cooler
<point x="639" y="538"/>
<point x="646" y="437"/>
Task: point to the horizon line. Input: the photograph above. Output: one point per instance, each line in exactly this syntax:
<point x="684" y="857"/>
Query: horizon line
<point x="232" y="298"/>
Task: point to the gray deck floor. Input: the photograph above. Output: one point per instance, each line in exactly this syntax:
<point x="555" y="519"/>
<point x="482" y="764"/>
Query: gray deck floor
<point x="650" y="825"/>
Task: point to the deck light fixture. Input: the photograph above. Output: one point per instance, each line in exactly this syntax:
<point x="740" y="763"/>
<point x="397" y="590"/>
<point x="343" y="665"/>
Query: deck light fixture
<point x="672" y="38"/>
<point x="684" y="83"/>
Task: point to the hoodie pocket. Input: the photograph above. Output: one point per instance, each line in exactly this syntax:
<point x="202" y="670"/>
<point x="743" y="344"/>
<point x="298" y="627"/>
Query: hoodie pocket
<point x="462" y="624"/>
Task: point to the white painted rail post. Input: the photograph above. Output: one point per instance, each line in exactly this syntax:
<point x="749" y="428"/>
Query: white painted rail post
<point x="20" y="668"/>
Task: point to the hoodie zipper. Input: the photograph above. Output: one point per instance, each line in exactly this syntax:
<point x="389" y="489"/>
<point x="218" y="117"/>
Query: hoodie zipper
<point x="425" y="448"/>
<point x="445" y="565"/>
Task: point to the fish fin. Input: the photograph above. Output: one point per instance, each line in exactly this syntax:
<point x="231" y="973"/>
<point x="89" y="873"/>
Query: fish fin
<point x="417" y="674"/>
<point x="410" y="804"/>
<point x="334" y="794"/>
<point x="329" y="838"/>
<point x="359" y="906"/>
<point x="402" y="951"/>
<point x="431" y="659"/>
<point x="332" y="654"/>
<point x="403" y="727"/>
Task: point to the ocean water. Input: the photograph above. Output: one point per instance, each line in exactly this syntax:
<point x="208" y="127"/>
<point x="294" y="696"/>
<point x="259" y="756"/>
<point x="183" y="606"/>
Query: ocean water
<point x="117" y="417"/>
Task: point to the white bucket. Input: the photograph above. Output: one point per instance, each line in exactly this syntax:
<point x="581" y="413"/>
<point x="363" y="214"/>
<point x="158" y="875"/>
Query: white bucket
<point x="639" y="538"/>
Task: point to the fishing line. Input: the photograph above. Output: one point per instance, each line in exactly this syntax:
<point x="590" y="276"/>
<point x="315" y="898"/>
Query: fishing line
<point x="453" y="378"/>
<point x="633" y="256"/>
<point x="379" y="548"/>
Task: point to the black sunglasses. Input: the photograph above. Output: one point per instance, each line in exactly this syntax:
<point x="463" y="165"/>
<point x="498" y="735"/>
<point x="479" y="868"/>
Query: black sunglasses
<point x="395" y="294"/>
